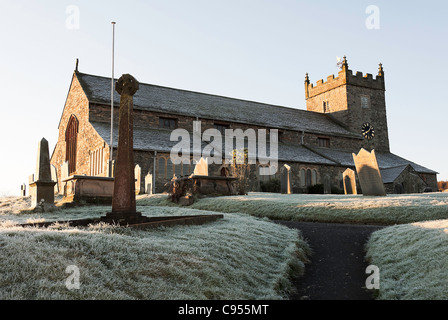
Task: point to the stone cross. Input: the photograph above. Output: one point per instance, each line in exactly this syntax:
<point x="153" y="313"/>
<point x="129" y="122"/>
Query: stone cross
<point x="123" y="201"/>
<point x="42" y="189"/>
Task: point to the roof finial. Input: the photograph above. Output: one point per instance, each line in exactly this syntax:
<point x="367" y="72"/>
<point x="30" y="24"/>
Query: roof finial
<point x="380" y="70"/>
<point x="307" y="80"/>
<point x="76" y="66"/>
<point x="344" y="63"/>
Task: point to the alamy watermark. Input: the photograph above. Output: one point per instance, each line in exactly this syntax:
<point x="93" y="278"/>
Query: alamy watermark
<point x="234" y="139"/>
<point x="373" y="280"/>
<point x="72" y="22"/>
<point x="373" y="20"/>
<point x="72" y="281"/>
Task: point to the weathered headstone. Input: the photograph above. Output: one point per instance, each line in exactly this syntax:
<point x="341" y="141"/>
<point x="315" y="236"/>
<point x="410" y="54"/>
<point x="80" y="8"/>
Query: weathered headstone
<point x="54" y="177"/>
<point x="123" y="201"/>
<point x="201" y="168"/>
<point x="23" y="190"/>
<point x="148" y="183"/>
<point x="368" y="173"/>
<point x="138" y="179"/>
<point x="327" y="184"/>
<point x="349" y="179"/>
<point x="42" y="189"/>
<point x="285" y="179"/>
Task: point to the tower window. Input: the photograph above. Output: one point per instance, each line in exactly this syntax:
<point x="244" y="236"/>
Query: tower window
<point x="365" y="102"/>
<point x="323" y="142"/>
<point x="167" y="123"/>
<point x="221" y="127"/>
<point x="326" y="106"/>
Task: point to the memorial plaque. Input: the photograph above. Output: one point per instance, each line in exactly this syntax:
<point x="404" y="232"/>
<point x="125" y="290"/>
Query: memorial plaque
<point x="368" y="173"/>
<point x="349" y="180"/>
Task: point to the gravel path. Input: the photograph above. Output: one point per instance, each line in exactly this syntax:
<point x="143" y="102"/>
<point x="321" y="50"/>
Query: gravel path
<point x="337" y="268"/>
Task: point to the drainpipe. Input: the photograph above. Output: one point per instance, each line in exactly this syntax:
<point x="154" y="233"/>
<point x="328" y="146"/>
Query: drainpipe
<point x="154" y="174"/>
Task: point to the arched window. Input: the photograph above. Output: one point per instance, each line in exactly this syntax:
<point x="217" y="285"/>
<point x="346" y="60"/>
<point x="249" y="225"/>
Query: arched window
<point x="162" y="168"/>
<point x="71" y="138"/>
<point x="302" y="178"/>
<point x="308" y="178"/>
<point x="314" y="177"/>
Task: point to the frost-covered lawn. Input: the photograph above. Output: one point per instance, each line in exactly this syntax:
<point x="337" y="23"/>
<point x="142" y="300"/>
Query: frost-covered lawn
<point x="238" y="257"/>
<point x="412" y="259"/>
<point x="392" y="209"/>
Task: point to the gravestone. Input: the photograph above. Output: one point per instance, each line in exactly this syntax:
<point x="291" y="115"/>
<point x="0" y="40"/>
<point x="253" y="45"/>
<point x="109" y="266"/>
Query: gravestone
<point x="23" y="190"/>
<point x="123" y="200"/>
<point x="148" y="183"/>
<point x="138" y="179"/>
<point x="54" y="177"/>
<point x="42" y="188"/>
<point x="201" y="168"/>
<point x="285" y="179"/>
<point x="327" y="184"/>
<point x="349" y="180"/>
<point x="368" y="173"/>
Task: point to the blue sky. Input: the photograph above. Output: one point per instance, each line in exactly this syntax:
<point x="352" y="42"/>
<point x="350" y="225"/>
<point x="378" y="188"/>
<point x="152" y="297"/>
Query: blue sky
<point x="255" y="50"/>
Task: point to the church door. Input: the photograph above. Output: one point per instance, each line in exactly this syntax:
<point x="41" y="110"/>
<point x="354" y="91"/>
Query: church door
<point x="71" y="137"/>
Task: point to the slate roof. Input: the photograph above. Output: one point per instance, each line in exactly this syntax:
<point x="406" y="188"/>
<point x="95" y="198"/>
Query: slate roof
<point x="206" y="106"/>
<point x="384" y="159"/>
<point x="156" y="139"/>
<point x="389" y="175"/>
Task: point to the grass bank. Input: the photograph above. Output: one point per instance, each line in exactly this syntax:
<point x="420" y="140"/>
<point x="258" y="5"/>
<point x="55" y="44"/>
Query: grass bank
<point x="412" y="260"/>
<point x="238" y="257"/>
<point x="389" y="210"/>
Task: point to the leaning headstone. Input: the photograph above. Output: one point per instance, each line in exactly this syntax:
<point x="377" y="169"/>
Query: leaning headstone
<point x="369" y="173"/>
<point x="349" y="180"/>
<point x="148" y="183"/>
<point x="285" y="179"/>
<point x="54" y="177"/>
<point x="201" y="168"/>
<point x="123" y="200"/>
<point x="23" y="190"/>
<point x="138" y="178"/>
<point x="42" y="189"/>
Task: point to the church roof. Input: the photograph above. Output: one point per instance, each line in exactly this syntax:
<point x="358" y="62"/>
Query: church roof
<point x="385" y="159"/>
<point x="389" y="175"/>
<point x="157" y="139"/>
<point x="207" y="106"/>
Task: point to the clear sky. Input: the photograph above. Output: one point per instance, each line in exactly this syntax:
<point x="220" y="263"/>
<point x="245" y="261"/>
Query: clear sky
<point x="257" y="50"/>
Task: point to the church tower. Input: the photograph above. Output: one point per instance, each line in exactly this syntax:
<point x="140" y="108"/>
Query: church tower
<point x="355" y="101"/>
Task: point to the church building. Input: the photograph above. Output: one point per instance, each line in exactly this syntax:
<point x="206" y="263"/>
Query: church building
<point x="343" y="114"/>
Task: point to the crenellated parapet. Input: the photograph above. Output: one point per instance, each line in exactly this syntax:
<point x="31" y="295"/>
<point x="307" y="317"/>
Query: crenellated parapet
<point x="345" y="77"/>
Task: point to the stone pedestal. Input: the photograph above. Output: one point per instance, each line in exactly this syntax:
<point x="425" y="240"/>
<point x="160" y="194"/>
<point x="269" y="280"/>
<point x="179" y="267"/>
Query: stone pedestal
<point x="42" y="188"/>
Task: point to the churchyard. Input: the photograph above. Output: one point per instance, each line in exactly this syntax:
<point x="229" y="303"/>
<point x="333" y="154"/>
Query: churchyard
<point x="245" y="255"/>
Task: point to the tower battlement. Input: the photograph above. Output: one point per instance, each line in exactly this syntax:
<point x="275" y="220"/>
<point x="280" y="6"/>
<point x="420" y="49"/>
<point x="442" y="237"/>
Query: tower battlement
<point x="345" y="77"/>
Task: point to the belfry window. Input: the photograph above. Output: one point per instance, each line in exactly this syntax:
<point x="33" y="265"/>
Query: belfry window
<point x="71" y="139"/>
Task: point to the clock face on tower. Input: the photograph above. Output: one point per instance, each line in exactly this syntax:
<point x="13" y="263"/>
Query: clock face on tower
<point x="367" y="131"/>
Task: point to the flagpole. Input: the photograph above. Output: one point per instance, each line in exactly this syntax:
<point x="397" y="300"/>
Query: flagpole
<point x="112" y="103"/>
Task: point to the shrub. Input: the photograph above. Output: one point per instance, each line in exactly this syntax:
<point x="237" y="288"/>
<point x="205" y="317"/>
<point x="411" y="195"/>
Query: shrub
<point x="316" y="189"/>
<point x="272" y="185"/>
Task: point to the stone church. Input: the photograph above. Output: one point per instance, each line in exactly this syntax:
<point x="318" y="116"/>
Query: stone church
<point x="344" y="113"/>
